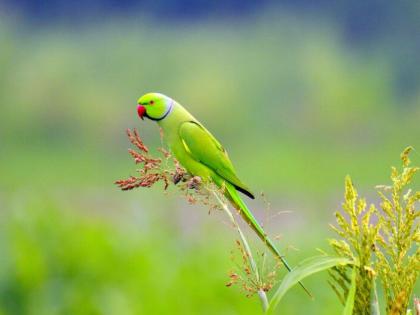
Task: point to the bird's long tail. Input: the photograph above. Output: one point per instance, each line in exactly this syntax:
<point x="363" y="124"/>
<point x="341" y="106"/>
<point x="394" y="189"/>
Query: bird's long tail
<point x="233" y="196"/>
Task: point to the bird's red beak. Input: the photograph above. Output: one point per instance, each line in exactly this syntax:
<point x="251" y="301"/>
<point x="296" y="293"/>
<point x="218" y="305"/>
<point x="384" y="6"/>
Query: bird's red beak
<point x="141" y="110"/>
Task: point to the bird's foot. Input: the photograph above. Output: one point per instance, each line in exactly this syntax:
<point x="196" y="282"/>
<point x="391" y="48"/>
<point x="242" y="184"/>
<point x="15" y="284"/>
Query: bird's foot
<point x="194" y="183"/>
<point x="180" y="174"/>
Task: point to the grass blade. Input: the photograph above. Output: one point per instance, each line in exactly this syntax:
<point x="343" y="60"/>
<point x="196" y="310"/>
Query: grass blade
<point x="303" y="270"/>
<point x="348" y="308"/>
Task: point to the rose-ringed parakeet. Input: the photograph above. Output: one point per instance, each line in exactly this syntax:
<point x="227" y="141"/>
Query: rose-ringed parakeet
<point x="201" y="155"/>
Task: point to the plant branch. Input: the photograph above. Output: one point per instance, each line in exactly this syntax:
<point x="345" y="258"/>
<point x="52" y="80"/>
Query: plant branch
<point x="261" y="293"/>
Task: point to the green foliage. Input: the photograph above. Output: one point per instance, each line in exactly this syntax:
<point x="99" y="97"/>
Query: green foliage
<point x="349" y="306"/>
<point x="304" y="269"/>
<point x="59" y="261"/>
<point x="384" y="243"/>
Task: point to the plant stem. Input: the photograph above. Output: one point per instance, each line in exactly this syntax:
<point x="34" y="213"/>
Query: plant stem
<point x="374" y="301"/>
<point x="261" y="293"/>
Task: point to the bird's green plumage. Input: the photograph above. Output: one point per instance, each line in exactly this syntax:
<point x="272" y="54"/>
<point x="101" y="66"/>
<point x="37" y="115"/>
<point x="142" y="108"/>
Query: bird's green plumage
<point x="204" y="148"/>
<point x="202" y="155"/>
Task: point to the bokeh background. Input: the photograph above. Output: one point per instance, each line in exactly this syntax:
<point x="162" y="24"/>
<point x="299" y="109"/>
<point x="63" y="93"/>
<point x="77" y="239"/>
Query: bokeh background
<point x="301" y="93"/>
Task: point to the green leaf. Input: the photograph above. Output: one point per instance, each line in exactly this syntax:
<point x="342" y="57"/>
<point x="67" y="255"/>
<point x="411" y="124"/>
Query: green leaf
<point x="348" y="308"/>
<point x="303" y="270"/>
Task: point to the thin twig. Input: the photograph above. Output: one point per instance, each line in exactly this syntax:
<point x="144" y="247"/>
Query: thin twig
<point x="261" y="293"/>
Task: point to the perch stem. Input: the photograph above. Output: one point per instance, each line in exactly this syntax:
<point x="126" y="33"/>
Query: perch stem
<point x="261" y="293"/>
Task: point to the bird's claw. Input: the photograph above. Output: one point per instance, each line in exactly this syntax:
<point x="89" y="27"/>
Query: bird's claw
<point x="194" y="182"/>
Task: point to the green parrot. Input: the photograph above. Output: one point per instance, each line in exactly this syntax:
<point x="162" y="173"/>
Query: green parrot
<point x="201" y="155"/>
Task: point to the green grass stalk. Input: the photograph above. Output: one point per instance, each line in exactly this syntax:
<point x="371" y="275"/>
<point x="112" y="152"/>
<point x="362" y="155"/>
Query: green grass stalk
<point x="261" y="293"/>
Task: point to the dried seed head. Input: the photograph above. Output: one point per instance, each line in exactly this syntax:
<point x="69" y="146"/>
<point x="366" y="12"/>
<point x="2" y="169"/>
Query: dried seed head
<point x="152" y="170"/>
<point x="136" y="140"/>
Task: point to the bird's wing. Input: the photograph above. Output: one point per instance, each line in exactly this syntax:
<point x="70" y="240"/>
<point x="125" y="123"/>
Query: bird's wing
<point x="204" y="148"/>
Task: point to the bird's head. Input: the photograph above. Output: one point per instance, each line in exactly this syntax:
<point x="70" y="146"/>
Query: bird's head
<point x="154" y="106"/>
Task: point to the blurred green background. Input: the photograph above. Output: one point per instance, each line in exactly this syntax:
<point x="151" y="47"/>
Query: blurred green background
<point x="297" y="96"/>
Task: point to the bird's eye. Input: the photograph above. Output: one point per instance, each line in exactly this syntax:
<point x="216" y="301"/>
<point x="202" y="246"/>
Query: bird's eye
<point x="152" y="102"/>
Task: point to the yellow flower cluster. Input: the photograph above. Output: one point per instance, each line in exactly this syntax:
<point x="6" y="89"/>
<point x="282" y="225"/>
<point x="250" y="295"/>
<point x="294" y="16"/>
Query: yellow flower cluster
<point x="383" y="241"/>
